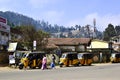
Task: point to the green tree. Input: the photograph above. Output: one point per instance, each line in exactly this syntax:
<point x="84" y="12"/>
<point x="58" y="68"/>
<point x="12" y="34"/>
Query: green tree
<point x="42" y="39"/>
<point x="109" y="32"/>
<point x="117" y="28"/>
<point x="29" y="34"/>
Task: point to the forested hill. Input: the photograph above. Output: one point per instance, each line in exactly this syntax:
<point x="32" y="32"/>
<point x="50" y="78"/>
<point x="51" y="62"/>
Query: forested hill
<point x="16" y="19"/>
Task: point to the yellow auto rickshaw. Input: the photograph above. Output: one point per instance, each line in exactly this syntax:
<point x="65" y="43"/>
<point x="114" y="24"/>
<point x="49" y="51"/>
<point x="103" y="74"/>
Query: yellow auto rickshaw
<point x="115" y="57"/>
<point x="32" y="60"/>
<point x="69" y="58"/>
<point x="18" y="55"/>
<point x="85" y="58"/>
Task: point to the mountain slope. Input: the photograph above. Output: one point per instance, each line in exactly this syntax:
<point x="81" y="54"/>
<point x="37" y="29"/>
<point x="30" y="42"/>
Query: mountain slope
<point x="16" y="19"/>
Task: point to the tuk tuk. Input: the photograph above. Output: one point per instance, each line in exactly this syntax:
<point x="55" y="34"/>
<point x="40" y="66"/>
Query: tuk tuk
<point x="16" y="57"/>
<point x="69" y="58"/>
<point x="32" y="60"/>
<point x="85" y="58"/>
<point x="115" y="57"/>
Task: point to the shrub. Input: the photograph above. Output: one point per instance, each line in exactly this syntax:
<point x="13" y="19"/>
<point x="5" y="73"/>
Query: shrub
<point x="4" y="57"/>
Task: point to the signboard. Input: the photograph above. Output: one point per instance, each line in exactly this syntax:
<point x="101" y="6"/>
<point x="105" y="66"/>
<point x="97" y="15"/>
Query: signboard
<point x="12" y="47"/>
<point x="34" y="45"/>
<point x="11" y="59"/>
<point x="3" y="20"/>
<point x="4" y="27"/>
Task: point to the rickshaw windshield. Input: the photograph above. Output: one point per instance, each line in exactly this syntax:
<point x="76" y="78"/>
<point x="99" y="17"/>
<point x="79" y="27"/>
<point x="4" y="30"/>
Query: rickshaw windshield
<point x="25" y="55"/>
<point x="19" y="55"/>
<point x="113" y="55"/>
<point x="117" y="56"/>
<point x="63" y="56"/>
<point x="80" y="56"/>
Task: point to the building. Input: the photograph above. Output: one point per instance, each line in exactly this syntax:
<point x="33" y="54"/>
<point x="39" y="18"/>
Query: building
<point x="71" y="44"/>
<point x="99" y="45"/>
<point x="116" y="43"/>
<point x="4" y="34"/>
<point x="101" y="50"/>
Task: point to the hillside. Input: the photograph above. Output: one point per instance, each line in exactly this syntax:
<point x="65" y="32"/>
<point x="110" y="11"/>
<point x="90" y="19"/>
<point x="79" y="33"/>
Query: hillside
<point x="16" y="19"/>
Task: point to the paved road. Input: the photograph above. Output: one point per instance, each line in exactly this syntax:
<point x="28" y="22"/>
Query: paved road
<point x="95" y="72"/>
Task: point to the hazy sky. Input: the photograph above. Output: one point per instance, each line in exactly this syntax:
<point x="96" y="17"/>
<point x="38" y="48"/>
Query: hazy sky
<point x="67" y="12"/>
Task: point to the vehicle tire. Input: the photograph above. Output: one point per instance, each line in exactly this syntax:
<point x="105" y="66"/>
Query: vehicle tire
<point x="82" y="64"/>
<point x="20" y="66"/>
<point x="77" y="64"/>
<point x="31" y="67"/>
<point x="67" y="65"/>
<point x="113" y="62"/>
<point x="89" y="64"/>
<point x="40" y="66"/>
<point x="61" y="65"/>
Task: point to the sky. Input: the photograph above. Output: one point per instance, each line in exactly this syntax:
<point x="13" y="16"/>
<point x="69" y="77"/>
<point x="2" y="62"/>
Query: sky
<point x="68" y="12"/>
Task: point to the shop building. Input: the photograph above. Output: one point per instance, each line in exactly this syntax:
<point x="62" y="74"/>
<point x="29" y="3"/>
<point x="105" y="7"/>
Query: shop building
<point x="4" y="33"/>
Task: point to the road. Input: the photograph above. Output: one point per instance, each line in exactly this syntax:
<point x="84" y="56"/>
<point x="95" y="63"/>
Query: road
<point x="94" y="72"/>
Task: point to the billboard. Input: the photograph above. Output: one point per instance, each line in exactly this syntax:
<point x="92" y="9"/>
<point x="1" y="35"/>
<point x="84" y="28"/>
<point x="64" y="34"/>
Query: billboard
<point x="3" y="25"/>
<point x="12" y="47"/>
<point x="3" y="20"/>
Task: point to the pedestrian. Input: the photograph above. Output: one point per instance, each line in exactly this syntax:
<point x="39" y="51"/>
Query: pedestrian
<point x="44" y="63"/>
<point x="53" y="62"/>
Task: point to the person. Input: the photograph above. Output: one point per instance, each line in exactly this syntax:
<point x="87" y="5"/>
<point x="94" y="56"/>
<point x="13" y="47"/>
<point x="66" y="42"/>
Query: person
<point x="44" y="63"/>
<point x="53" y="62"/>
<point x="11" y="59"/>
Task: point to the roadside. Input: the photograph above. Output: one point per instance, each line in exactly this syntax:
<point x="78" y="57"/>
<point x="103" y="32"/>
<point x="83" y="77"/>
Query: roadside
<point x="6" y="67"/>
<point x="101" y="64"/>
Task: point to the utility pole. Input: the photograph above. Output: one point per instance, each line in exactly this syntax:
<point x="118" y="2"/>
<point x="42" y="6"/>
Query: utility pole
<point x="94" y="33"/>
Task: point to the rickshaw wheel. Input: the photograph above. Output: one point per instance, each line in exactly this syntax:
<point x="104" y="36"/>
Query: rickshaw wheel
<point x="77" y="65"/>
<point x="112" y="61"/>
<point x="61" y="65"/>
<point x="31" y="67"/>
<point x="89" y="64"/>
<point x="67" y="65"/>
<point x="39" y="66"/>
<point x="21" y="67"/>
<point x="82" y="64"/>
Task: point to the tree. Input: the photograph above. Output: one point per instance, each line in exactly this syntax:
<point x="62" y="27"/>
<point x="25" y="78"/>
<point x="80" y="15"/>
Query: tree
<point x="109" y="32"/>
<point x="29" y="34"/>
<point x="88" y="30"/>
<point x="117" y="28"/>
<point x="77" y="27"/>
<point x="41" y="38"/>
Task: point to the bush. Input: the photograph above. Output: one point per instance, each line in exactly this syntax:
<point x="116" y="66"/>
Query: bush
<point x="4" y="57"/>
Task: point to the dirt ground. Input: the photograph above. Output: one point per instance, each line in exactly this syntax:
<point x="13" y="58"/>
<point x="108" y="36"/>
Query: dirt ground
<point x="6" y="67"/>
